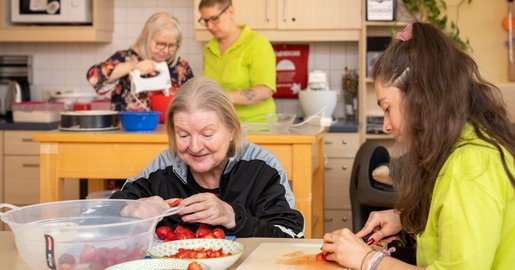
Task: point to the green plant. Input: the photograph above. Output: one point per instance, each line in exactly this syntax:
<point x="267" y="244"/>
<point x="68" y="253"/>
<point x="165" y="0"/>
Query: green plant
<point x="435" y="12"/>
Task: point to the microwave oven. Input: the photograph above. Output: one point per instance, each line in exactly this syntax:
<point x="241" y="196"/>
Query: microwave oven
<point x="52" y="11"/>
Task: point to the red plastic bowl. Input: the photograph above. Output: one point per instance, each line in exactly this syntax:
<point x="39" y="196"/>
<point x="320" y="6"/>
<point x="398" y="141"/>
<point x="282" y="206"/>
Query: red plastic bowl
<point x="160" y="103"/>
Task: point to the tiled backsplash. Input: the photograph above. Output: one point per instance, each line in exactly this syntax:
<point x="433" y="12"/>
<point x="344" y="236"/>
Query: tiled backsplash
<point x="64" y="65"/>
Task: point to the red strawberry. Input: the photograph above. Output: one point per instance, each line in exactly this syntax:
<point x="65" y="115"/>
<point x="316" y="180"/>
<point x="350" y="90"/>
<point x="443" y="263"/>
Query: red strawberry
<point x="320" y="257"/>
<point x="67" y="258"/>
<point x="173" y="202"/>
<point x="65" y="266"/>
<point x="219" y="233"/>
<point x="194" y="266"/>
<point x="171" y="236"/>
<point x="163" y="231"/>
<point x="87" y="254"/>
<point x="202" y="231"/>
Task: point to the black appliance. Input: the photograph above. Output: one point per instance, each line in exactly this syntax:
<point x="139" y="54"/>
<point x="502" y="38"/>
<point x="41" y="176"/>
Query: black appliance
<point x="15" y="80"/>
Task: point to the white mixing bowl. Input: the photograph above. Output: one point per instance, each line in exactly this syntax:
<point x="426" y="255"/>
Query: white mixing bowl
<point x="314" y="101"/>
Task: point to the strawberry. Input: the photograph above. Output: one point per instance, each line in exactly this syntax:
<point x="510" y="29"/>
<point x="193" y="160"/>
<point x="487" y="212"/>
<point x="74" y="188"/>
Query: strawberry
<point x="162" y="231"/>
<point x="65" y="266"/>
<point x="320" y="257"/>
<point x="173" y="202"/>
<point x="66" y="258"/>
<point x="219" y="233"/>
<point x="170" y="236"/>
<point x="194" y="266"/>
<point x="202" y="231"/>
<point x="87" y="254"/>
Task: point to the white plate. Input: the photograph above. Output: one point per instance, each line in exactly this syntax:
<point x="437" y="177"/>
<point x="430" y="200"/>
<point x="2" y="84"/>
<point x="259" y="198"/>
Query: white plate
<point x="154" y="264"/>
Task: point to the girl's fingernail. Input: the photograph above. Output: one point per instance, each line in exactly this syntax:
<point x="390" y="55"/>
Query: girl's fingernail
<point x="371" y="241"/>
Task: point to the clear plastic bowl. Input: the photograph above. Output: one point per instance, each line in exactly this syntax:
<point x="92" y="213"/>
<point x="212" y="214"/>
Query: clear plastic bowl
<point x="85" y="234"/>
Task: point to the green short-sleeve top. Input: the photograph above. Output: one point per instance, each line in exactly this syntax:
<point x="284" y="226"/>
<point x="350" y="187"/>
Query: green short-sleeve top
<point x="250" y="61"/>
<point x="471" y="223"/>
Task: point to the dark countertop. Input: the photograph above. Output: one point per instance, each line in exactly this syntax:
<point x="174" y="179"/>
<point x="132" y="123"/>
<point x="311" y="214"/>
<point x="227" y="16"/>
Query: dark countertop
<point x="28" y="126"/>
<point x="342" y="125"/>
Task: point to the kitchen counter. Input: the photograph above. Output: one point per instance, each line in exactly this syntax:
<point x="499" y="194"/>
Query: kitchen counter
<point x="11" y="259"/>
<point x="118" y="154"/>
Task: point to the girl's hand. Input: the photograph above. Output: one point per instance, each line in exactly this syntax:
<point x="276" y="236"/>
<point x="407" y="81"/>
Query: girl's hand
<point x="383" y="225"/>
<point x="345" y="248"/>
<point x="209" y="209"/>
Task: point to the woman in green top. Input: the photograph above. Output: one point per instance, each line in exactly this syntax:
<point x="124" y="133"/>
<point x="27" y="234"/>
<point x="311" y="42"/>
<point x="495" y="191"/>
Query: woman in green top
<point x="456" y="178"/>
<point x="240" y="60"/>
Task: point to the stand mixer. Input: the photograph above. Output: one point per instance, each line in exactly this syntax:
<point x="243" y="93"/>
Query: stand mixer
<point x="317" y="99"/>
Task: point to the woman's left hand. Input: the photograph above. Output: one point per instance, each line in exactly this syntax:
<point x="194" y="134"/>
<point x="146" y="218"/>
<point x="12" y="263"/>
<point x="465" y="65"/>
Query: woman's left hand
<point x="345" y="248"/>
<point x="208" y="209"/>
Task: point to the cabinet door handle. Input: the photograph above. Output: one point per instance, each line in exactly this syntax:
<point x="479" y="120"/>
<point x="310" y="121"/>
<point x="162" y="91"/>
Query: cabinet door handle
<point x="267" y="11"/>
<point x="328" y="219"/>
<point x="30" y="165"/>
<point x="328" y="169"/>
<point x="344" y="219"/>
<point x="26" y="140"/>
<point x="344" y="167"/>
<point x="344" y="142"/>
<point x="328" y="142"/>
<point x="285" y="3"/>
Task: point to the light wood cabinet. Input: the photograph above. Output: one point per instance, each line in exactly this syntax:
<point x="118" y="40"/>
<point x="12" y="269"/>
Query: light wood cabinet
<point x="296" y="20"/>
<point x="340" y="150"/>
<point x="101" y="29"/>
<point x="19" y="164"/>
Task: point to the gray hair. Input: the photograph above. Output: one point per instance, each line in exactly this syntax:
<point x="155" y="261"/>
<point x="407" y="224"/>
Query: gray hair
<point x="202" y="93"/>
<point x="156" y="23"/>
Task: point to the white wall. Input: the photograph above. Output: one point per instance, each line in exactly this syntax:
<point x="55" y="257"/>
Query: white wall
<point x="64" y="65"/>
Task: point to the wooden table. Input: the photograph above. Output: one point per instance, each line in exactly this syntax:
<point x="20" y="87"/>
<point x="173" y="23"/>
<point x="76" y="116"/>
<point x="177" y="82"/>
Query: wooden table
<point x="119" y="154"/>
<point x="11" y="260"/>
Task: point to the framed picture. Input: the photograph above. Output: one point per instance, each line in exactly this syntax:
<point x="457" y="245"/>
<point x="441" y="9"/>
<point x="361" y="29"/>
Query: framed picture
<point x="371" y="59"/>
<point x="381" y="10"/>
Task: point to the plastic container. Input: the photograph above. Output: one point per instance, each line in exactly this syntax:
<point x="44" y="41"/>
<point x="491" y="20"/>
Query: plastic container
<point x="139" y="121"/>
<point x="37" y="111"/>
<point x="85" y="234"/>
<point x="160" y="103"/>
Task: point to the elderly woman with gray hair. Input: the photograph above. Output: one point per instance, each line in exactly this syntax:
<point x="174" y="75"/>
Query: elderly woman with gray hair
<point x="224" y="180"/>
<point x="159" y="41"/>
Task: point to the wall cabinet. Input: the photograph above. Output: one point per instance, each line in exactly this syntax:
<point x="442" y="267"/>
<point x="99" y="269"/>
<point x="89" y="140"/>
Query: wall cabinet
<point x="340" y="149"/>
<point x="19" y="178"/>
<point x="100" y="31"/>
<point x="296" y="20"/>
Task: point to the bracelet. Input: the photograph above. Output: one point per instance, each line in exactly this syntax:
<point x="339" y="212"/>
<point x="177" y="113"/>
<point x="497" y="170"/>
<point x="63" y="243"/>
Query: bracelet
<point x="363" y="261"/>
<point x="378" y="257"/>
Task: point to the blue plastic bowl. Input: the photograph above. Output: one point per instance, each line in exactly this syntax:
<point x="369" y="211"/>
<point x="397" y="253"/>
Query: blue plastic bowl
<point x="139" y="121"/>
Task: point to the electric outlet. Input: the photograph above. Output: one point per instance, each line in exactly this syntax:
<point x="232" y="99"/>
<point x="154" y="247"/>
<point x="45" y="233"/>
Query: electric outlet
<point x="50" y="92"/>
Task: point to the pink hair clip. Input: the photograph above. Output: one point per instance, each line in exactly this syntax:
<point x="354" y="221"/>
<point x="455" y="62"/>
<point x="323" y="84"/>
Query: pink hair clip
<point x="405" y="34"/>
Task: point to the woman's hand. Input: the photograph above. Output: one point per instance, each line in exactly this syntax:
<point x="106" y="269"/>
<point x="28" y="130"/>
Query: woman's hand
<point x="208" y="209"/>
<point x="345" y="248"/>
<point x="146" y="67"/>
<point x="136" y="210"/>
<point x="383" y="224"/>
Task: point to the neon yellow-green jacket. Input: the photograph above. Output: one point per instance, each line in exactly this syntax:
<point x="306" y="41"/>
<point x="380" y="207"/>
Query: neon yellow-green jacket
<point x="471" y="222"/>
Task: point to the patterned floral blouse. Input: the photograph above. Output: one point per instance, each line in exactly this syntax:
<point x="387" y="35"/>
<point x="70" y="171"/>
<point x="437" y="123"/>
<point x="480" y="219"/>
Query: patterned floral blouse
<point x="121" y="97"/>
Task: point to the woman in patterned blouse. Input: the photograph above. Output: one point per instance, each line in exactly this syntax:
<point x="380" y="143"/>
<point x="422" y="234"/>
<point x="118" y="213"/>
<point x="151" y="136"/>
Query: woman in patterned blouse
<point x="158" y="42"/>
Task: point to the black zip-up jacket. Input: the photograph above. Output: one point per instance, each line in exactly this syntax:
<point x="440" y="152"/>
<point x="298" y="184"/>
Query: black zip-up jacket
<point x="251" y="184"/>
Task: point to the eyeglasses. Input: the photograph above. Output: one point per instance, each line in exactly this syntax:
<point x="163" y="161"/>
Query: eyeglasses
<point x="213" y="19"/>
<point x="170" y="46"/>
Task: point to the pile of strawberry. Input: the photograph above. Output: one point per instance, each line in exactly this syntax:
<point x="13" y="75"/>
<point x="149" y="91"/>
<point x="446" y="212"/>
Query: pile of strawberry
<point x="198" y="253"/>
<point x="166" y="233"/>
<point x="99" y="258"/>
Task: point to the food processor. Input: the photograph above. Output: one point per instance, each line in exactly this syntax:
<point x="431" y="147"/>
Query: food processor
<point x="317" y="99"/>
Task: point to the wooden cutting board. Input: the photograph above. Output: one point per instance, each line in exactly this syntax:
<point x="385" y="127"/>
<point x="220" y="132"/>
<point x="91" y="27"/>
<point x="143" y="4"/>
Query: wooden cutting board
<point x="286" y="256"/>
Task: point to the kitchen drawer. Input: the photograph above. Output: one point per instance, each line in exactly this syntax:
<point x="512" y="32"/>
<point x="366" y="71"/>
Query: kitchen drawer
<point x="343" y="145"/>
<point x="337" y="180"/>
<point x="337" y="219"/>
<point x="20" y="143"/>
<point x="21" y="179"/>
